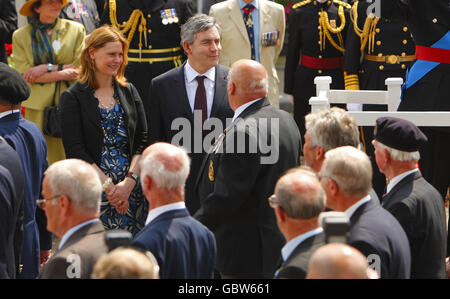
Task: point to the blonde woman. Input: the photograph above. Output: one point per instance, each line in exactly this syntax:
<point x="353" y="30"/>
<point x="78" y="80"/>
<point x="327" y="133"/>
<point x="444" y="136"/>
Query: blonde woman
<point x="103" y="123"/>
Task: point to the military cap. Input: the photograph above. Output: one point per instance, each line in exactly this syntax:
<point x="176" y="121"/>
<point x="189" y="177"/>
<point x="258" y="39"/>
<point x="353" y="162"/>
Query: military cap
<point x="399" y="134"/>
<point x="13" y="87"/>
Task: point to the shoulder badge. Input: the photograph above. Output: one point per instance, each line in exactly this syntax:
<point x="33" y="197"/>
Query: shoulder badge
<point x="211" y="171"/>
<point x="342" y="3"/>
<point x="301" y="3"/>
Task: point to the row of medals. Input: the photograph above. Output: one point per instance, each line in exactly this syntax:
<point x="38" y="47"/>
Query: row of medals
<point x="169" y="16"/>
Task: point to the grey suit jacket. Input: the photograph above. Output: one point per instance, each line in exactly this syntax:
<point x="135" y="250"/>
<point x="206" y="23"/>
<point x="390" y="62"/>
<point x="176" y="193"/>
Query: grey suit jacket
<point x="77" y="257"/>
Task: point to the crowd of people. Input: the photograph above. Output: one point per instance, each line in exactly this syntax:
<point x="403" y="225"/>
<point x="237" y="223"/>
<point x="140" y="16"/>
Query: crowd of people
<point x="145" y="119"/>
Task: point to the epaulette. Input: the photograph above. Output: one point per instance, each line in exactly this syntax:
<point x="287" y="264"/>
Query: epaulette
<point x="301" y="3"/>
<point x="346" y="5"/>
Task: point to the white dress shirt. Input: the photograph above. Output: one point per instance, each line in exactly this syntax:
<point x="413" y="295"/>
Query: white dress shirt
<point x="349" y="212"/>
<point x="241" y="108"/>
<point x="6" y="113"/>
<point x="191" y="85"/>
<point x="162" y="209"/>
<point x="397" y="179"/>
<point x="71" y="231"/>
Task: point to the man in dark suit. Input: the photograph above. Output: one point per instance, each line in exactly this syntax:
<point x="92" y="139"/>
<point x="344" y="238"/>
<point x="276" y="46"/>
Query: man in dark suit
<point x="240" y="173"/>
<point x="176" y="95"/>
<point x="29" y="143"/>
<point x="7" y="195"/>
<point x="415" y="203"/>
<point x="11" y="161"/>
<point x="346" y="176"/>
<point x="184" y="248"/>
<point x="71" y="199"/>
<point x="298" y="201"/>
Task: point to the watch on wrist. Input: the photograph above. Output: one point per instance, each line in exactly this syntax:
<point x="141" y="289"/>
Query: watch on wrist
<point x="49" y="67"/>
<point x="132" y="175"/>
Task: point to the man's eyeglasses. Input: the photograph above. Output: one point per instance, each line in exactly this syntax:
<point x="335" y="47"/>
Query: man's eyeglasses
<point x="41" y="202"/>
<point x="273" y="201"/>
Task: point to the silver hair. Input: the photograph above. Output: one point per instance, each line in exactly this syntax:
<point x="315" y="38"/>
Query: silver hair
<point x="306" y="205"/>
<point x="78" y="180"/>
<point x="350" y="168"/>
<point x="152" y="166"/>
<point x="195" y="24"/>
<point x="332" y="128"/>
<point x="398" y="155"/>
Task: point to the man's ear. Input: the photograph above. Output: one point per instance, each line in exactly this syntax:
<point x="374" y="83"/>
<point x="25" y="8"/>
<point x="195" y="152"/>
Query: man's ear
<point x="187" y="48"/>
<point x="319" y="153"/>
<point x="65" y="205"/>
<point x="280" y="213"/>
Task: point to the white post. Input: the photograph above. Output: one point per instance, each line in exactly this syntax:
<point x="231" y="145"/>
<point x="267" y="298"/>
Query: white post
<point x="394" y="87"/>
<point x="319" y="103"/>
<point x="322" y="84"/>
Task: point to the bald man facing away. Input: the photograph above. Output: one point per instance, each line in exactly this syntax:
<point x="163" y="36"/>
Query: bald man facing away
<point x="183" y="247"/>
<point x="239" y="175"/>
<point x="337" y="261"/>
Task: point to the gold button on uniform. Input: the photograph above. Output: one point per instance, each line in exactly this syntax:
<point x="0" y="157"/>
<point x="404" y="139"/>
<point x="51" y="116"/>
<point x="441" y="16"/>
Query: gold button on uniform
<point x="405" y="41"/>
<point x="149" y="16"/>
<point x="405" y="29"/>
<point x="377" y="30"/>
<point x="380" y="54"/>
<point x="381" y="67"/>
<point x="320" y="56"/>
<point x="434" y="20"/>
<point x="378" y="43"/>
<point x="403" y="54"/>
<point x="403" y="66"/>
<point x="149" y="31"/>
<point x="319" y="72"/>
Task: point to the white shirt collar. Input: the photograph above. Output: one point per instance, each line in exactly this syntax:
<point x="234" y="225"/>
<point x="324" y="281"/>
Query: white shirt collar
<point x="191" y="74"/>
<point x="6" y="113"/>
<point x="349" y="212"/>
<point x="287" y="249"/>
<point x="71" y="231"/>
<point x="162" y="209"/>
<point x="241" y="108"/>
<point x="398" y="178"/>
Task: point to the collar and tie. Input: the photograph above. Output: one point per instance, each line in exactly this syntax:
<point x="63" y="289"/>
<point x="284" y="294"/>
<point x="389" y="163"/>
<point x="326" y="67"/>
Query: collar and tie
<point x="200" y="98"/>
<point x="249" y="26"/>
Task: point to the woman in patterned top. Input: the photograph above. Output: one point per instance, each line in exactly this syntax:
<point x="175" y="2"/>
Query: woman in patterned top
<point x="103" y="123"/>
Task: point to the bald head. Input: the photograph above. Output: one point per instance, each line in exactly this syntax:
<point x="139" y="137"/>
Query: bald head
<point x="247" y="81"/>
<point x="337" y="261"/>
<point x="167" y="165"/>
<point x="300" y="194"/>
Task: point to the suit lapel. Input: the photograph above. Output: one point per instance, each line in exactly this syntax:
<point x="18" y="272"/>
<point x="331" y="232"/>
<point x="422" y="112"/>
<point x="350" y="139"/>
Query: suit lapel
<point x="236" y="17"/>
<point x="220" y="91"/>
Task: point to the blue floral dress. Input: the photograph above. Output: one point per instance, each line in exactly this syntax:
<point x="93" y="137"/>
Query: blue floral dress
<point x="115" y="163"/>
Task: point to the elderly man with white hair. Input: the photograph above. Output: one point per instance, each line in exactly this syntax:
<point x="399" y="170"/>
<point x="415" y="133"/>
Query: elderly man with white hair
<point x="184" y="248"/>
<point x="346" y="177"/>
<point x="71" y="199"/>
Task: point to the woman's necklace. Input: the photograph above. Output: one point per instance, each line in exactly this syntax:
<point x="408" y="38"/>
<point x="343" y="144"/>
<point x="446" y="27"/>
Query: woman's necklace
<point x="107" y="102"/>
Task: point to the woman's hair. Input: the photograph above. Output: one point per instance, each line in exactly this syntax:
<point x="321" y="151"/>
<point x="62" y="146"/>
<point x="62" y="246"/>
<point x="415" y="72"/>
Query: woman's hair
<point x="98" y="39"/>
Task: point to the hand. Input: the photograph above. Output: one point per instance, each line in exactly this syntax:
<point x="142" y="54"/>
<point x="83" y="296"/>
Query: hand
<point x="35" y="72"/>
<point x="68" y="74"/>
<point x="119" y="198"/>
<point x="44" y="257"/>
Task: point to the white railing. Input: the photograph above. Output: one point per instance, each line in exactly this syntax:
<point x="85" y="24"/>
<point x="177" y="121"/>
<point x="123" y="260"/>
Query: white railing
<point x="391" y="98"/>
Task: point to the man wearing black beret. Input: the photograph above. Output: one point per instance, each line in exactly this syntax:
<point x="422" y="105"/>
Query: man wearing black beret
<point x="416" y="204"/>
<point x="29" y="142"/>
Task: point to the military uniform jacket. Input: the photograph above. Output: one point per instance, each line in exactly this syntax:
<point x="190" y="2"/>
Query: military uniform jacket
<point x="392" y="45"/>
<point x="156" y="49"/>
<point x="305" y="36"/>
<point x="429" y="22"/>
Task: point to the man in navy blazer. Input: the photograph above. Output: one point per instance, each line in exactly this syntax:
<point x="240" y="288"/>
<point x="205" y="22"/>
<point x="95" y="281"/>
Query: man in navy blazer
<point x="346" y="176"/>
<point x="177" y="94"/>
<point x="184" y="248"/>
